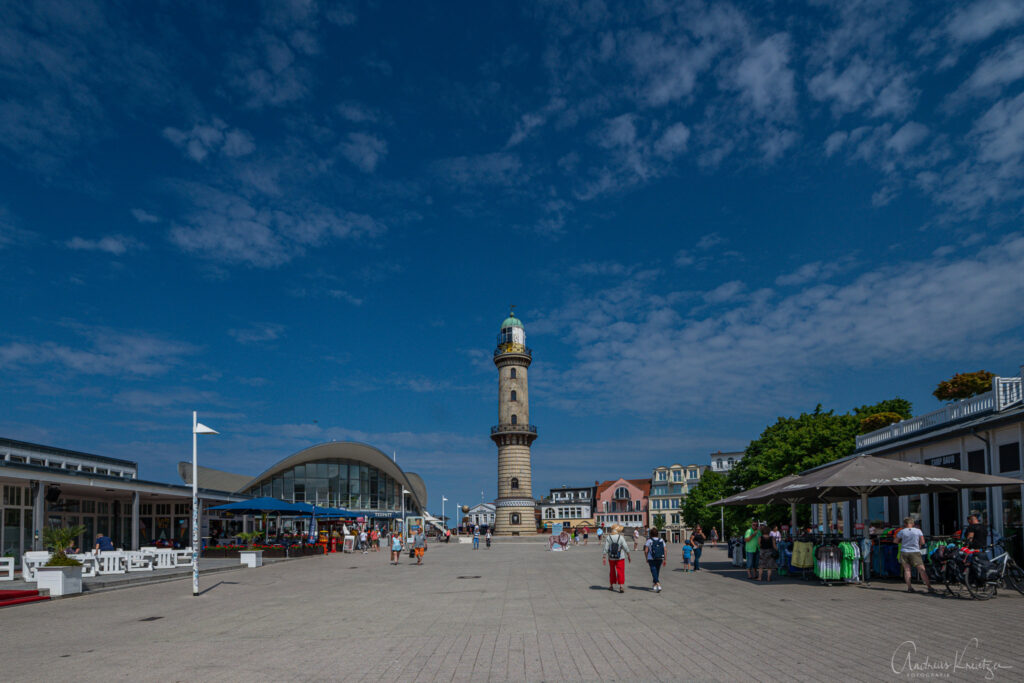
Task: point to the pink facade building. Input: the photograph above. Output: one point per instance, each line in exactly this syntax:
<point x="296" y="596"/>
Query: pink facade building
<point x="622" y="501"/>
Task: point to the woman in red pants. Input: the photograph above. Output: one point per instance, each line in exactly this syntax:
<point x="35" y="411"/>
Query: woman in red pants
<point x="615" y="555"/>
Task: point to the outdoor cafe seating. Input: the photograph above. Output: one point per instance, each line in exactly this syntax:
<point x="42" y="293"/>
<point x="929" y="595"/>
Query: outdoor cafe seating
<point x="102" y="563"/>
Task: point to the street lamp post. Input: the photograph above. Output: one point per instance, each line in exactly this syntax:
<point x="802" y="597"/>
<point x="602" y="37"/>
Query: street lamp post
<point x="197" y="429"/>
<point x="444" y="522"/>
<point x="405" y="529"/>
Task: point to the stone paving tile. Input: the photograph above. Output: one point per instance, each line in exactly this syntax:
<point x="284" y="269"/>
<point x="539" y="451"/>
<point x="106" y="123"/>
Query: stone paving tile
<point x="532" y="615"/>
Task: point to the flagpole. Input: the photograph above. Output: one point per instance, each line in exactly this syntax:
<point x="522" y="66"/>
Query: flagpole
<point x="195" y="511"/>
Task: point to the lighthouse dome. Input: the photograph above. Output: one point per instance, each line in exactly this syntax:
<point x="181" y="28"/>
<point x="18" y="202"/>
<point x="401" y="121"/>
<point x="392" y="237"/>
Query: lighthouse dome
<point x="512" y="337"/>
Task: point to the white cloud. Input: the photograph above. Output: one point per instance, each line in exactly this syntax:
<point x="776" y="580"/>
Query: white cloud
<point x="343" y="295"/>
<point x="497" y="168"/>
<point x="257" y="333"/>
<point x="999" y="133"/>
<point x="983" y="18"/>
<point x="143" y="216"/>
<point x="766" y="80"/>
<point x="110" y="352"/>
<point x="907" y="137"/>
<point x="364" y="151"/>
<point x="725" y="292"/>
<point x="232" y="228"/>
<point x="214" y="136"/>
<point x="1001" y="68"/>
<point x="111" y="244"/>
<point x="633" y="342"/>
<point x="357" y="112"/>
<point x="712" y="239"/>
<point x="673" y="141"/>
<point x="835" y="141"/>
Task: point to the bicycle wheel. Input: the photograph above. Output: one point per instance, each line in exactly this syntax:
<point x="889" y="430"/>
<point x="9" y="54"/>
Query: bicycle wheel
<point x="954" y="584"/>
<point x="1014" y="577"/>
<point x="979" y="590"/>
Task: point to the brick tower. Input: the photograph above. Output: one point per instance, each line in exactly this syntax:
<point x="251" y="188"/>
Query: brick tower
<point x="514" y="508"/>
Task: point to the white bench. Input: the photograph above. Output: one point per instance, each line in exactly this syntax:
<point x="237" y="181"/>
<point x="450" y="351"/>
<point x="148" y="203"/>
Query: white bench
<point x="90" y="565"/>
<point x="6" y="567"/>
<point x="183" y="557"/>
<point x="111" y="562"/>
<point x="31" y="561"/>
<point x="138" y="561"/>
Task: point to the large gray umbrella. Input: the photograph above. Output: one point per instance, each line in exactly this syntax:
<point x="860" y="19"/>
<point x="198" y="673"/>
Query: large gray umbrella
<point x="766" y="494"/>
<point x="860" y="476"/>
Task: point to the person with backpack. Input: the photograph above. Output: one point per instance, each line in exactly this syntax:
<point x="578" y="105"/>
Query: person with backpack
<point x="615" y="555"/>
<point x="655" y="549"/>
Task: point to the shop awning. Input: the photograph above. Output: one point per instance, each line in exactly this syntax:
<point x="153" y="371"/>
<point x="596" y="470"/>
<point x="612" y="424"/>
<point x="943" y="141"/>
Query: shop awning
<point x="258" y="506"/>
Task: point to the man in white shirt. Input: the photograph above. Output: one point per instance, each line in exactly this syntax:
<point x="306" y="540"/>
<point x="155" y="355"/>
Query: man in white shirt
<point x="362" y="540"/>
<point x="911" y="541"/>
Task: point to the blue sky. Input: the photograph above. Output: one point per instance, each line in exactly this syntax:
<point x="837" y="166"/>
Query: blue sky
<point x="307" y="220"/>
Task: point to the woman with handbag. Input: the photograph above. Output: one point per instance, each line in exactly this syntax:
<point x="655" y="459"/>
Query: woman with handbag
<point x="767" y="555"/>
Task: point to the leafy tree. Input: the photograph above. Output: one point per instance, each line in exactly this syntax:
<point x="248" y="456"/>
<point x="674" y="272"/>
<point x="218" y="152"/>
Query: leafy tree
<point x="964" y="385"/>
<point x="795" y="444"/>
<point x="900" y="406"/>
<point x="877" y="421"/>
<point x="658" y="522"/>
<point x="712" y="487"/>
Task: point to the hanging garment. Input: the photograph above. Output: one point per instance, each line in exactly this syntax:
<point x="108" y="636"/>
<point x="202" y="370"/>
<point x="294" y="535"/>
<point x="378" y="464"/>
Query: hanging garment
<point x="803" y="555"/>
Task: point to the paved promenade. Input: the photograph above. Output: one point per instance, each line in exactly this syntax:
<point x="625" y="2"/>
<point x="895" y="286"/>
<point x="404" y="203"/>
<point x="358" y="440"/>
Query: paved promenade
<point x="514" y="612"/>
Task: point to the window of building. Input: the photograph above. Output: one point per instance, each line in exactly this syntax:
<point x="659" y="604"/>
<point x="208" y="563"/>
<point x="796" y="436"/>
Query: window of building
<point x="1009" y="457"/>
<point x="515" y="420"/>
<point x="730" y="462"/>
<point x="513" y="395"/>
<point x="692" y="474"/>
<point x="515" y="482"/>
<point x="622" y="492"/>
<point x="677" y="475"/>
<point x="976" y="461"/>
<point x="662" y="475"/>
<point x="512" y="373"/>
<point x="675" y="518"/>
<point x="515" y="518"/>
<point x="549" y="513"/>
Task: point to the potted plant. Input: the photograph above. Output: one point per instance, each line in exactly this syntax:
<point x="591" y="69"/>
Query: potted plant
<point x="61" y="575"/>
<point x="250" y="556"/>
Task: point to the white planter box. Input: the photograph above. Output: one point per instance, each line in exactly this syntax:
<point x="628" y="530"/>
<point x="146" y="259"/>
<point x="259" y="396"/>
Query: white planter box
<point x="59" y="580"/>
<point x="251" y="558"/>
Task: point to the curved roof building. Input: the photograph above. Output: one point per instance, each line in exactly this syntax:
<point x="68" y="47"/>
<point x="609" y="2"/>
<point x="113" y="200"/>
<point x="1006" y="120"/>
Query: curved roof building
<point x="347" y="474"/>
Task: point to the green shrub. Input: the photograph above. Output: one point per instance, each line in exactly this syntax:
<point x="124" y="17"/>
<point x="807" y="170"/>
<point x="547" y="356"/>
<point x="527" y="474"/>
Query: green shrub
<point x="58" y="540"/>
<point x="877" y="421"/>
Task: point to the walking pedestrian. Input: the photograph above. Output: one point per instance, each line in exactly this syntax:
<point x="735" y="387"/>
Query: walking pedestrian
<point x="636" y="538"/>
<point x="697" y="537"/>
<point x="655" y="549"/>
<point x="586" y="534"/>
<point x="362" y="541"/>
<point x="396" y="547"/>
<point x="476" y="537"/>
<point x="714" y="536"/>
<point x="600" y="533"/>
<point x="419" y="545"/>
<point x="687" y="554"/>
<point x="751" y="543"/>
<point x="615" y="555"/>
<point x="488" y="537"/>
<point x="766" y="554"/>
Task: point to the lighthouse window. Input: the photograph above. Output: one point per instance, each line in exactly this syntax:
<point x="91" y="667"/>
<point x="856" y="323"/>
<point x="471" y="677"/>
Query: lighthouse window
<point x="515" y="420"/>
<point x="512" y="373"/>
<point x="513" y="395"/>
<point x="515" y="482"/>
<point x="515" y="518"/>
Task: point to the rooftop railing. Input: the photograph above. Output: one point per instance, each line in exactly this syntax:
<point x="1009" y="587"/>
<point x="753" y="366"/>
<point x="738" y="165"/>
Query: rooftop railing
<point x="521" y="350"/>
<point x="1006" y="392"/>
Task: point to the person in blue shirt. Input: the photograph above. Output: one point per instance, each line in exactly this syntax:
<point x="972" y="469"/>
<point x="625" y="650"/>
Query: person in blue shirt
<point x="103" y="543"/>
<point x="687" y="554"/>
<point x="476" y="537"/>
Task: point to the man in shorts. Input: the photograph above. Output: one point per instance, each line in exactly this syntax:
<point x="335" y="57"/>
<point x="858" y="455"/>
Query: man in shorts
<point x="911" y="541"/>
<point x="751" y="544"/>
<point x="419" y="545"/>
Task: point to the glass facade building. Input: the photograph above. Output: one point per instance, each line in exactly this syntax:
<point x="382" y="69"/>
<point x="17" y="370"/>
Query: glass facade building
<point x="333" y="482"/>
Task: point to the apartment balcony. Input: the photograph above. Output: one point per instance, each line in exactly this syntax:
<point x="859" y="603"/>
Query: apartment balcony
<point x="1006" y="393"/>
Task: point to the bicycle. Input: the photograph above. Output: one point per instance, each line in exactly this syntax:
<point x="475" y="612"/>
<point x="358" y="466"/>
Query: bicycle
<point x="955" y="567"/>
<point x="1010" y="573"/>
<point x="977" y="573"/>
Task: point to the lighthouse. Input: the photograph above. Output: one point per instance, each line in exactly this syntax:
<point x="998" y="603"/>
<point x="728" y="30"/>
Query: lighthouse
<point x="514" y="508"/>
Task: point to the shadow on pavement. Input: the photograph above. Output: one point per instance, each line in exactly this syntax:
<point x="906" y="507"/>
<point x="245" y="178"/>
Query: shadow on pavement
<point x="207" y="590"/>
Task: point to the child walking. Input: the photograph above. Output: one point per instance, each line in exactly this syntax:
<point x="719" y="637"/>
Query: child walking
<point x="687" y="554"/>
